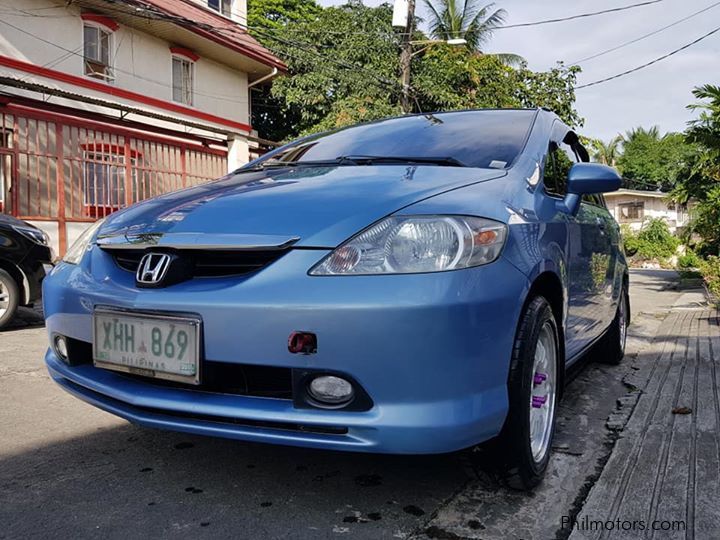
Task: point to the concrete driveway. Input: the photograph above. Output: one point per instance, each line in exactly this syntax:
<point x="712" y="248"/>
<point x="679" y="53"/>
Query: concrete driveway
<point x="68" y="470"/>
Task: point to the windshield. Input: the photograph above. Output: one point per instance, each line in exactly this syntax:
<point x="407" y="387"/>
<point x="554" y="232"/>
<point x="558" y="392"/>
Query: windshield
<point x="487" y="139"/>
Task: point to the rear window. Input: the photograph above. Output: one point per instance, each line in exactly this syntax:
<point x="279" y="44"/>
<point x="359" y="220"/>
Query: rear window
<point x="486" y="139"/>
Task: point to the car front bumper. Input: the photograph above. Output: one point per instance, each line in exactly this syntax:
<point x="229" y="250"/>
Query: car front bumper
<point x="431" y="350"/>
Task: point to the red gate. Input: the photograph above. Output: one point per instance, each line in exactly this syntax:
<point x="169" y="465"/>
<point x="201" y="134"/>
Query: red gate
<point x="56" y="167"/>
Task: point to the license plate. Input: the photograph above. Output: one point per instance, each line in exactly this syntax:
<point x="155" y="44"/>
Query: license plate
<point x="159" y="346"/>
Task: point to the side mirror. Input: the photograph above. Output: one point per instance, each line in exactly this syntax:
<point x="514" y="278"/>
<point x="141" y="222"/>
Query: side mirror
<point x="586" y="178"/>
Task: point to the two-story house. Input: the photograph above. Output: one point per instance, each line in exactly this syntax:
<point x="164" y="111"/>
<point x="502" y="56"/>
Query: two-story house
<point x="104" y="103"/>
<point x="633" y="207"/>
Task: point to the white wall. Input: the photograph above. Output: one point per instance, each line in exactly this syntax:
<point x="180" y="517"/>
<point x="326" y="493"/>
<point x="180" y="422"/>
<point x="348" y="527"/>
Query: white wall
<point x="52" y="230"/>
<point x="142" y="63"/>
<point x="655" y="207"/>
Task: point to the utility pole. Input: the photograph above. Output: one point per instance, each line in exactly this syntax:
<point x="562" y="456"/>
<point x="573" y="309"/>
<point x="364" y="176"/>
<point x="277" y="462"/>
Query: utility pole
<point x="406" y="58"/>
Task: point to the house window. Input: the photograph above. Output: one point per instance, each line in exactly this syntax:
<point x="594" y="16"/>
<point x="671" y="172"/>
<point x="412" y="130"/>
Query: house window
<point x="634" y="211"/>
<point x="221" y="6"/>
<point x="96" y="46"/>
<point x="182" y="80"/>
<point x="104" y="180"/>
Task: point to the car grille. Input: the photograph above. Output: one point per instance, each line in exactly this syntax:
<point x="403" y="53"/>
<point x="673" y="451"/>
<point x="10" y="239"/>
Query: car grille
<point x="207" y="263"/>
<point x="236" y="379"/>
<point x="217" y="377"/>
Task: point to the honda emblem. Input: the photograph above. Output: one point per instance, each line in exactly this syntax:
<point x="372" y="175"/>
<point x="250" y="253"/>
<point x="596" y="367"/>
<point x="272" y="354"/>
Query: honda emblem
<point x="153" y="268"/>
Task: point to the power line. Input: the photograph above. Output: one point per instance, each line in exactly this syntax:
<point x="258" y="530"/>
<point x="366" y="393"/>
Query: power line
<point x="302" y="46"/>
<point x="151" y="13"/>
<point x="70" y="52"/>
<point x="579" y="16"/>
<point x="602" y="53"/>
<point x="655" y="61"/>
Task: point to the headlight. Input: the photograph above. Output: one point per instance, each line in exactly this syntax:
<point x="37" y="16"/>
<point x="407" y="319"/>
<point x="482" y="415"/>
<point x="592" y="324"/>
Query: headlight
<point x="75" y="254"/>
<point x="31" y="233"/>
<point x="413" y="244"/>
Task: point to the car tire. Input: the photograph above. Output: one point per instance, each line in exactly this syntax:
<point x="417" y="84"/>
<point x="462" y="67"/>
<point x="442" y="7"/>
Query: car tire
<point x="9" y="298"/>
<point x="611" y="348"/>
<point x="523" y="447"/>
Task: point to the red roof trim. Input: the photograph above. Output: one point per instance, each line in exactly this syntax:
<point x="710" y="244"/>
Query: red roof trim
<point x="187" y="53"/>
<point x="107" y="22"/>
<point x="228" y="33"/>
<point x="105" y="88"/>
<point x="230" y="44"/>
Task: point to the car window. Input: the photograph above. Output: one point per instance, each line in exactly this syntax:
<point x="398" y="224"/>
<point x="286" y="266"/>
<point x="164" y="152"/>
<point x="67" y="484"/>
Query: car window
<point x="487" y="139"/>
<point x="557" y="165"/>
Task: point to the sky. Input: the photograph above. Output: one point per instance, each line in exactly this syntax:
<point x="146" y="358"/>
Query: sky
<point x="657" y="95"/>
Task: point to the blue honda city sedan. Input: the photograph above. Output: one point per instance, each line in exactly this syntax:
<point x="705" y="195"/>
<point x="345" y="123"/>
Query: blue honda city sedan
<point x="413" y="285"/>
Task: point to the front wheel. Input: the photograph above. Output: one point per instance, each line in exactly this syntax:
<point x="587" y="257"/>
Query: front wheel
<point x="533" y="388"/>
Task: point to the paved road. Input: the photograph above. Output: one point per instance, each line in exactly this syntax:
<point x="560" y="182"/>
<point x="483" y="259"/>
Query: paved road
<point x="69" y="470"/>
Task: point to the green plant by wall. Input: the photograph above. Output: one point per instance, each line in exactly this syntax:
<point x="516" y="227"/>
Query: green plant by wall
<point x="710" y="269"/>
<point x="689" y="260"/>
<point x="653" y="242"/>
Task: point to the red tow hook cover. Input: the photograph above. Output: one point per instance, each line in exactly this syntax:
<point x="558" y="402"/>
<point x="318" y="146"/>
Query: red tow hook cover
<point x="302" y="343"/>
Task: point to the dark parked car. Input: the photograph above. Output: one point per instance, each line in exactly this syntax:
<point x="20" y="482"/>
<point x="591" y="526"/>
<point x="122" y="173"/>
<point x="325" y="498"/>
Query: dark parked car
<point x="25" y="255"/>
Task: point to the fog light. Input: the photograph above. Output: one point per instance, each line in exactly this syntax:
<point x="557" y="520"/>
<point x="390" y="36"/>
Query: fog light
<point x="60" y="345"/>
<point x="331" y="390"/>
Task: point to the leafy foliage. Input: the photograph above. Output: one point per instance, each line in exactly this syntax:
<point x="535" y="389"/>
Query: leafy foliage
<point x="468" y="20"/>
<point x="606" y="153"/>
<point x="649" y="161"/>
<point x="344" y="69"/>
<point x="689" y="259"/>
<point x="710" y="269"/>
<point x="450" y="19"/>
<point x="702" y="179"/>
<point x="446" y="78"/>
<point x="268" y="16"/>
<point x="653" y="242"/>
<point x="706" y="219"/>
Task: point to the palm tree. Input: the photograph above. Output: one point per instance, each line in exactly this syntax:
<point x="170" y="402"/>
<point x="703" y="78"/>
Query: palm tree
<point x="652" y="133"/>
<point x="606" y="153"/>
<point x="466" y="19"/>
<point x="705" y="129"/>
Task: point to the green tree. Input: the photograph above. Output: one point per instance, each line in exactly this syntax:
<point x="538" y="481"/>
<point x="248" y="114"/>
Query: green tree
<point x="265" y="17"/>
<point x="344" y="67"/>
<point x="268" y="21"/>
<point x="468" y="20"/>
<point x="641" y="132"/>
<point x="606" y="153"/>
<point x="705" y="130"/>
<point x="702" y="179"/>
<point x="650" y="161"/>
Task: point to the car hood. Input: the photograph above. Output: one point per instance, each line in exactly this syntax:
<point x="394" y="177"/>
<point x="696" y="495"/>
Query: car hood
<point x="308" y="206"/>
<point x="6" y="219"/>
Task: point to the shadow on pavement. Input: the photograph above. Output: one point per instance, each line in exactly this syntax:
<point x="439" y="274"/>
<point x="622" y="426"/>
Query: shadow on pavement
<point x="131" y="482"/>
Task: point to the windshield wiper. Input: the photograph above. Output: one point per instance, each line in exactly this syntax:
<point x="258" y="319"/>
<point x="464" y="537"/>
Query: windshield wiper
<point x="423" y="160"/>
<point x="278" y="163"/>
<point x="359" y="160"/>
